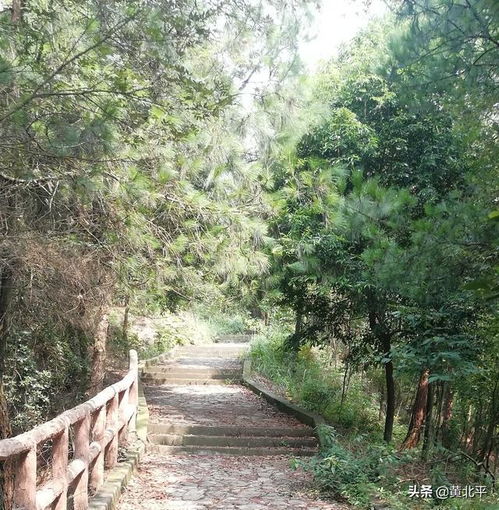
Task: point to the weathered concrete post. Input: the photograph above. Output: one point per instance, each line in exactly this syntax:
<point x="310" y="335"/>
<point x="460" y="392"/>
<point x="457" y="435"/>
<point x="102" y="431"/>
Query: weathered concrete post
<point x="97" y="469"/>
<point x="82" y="433"/>
<point x="25" y="487"/>
<point x="134" y="390"/>
<point x="111" y="454"/>
<point x="122" y="407"/>
<point x="60" y="466"/>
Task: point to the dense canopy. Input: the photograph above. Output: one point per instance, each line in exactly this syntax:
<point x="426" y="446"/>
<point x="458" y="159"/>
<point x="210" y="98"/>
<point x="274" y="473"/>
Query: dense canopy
<point x="174" y="160"/>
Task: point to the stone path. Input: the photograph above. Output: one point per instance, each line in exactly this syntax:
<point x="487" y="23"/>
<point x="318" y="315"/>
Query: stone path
<point x="218" y="446"/>
<point x="213" y="405"/>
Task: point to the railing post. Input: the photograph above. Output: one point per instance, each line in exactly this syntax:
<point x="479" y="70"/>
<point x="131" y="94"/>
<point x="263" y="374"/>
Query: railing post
<point x="123" y="403"/>
<point x="134" y="390"/>
<point x="97" y="469"/>
<point x="25" y="483"/>
<point x="60" y="466"/>
<point x="111" y="454"/>
<point x="82" y="434"/>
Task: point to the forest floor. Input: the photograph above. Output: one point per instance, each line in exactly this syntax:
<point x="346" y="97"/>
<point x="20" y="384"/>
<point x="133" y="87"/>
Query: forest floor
<point x="208" y="480"/>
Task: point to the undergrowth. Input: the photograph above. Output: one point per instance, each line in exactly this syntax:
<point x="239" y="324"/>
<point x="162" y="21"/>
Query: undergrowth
<point x="355" y="464"/>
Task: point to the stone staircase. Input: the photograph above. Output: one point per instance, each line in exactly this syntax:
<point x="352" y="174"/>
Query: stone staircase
<point x="168" y="438"/>
<point x="186" y="375"/>
<point x="209" y="364"/>
<point x="208" y="432"/>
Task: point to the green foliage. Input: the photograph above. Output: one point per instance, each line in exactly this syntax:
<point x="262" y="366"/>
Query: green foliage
<point x="342" y="474"/>
<point x="354" y="463"/>
<point x="306" y="377"/>
<point x="355" y="470"/>
<point x="44" y="363"/>
<point x="123" y="169"/>
<point x="355" y="208"/>
<point x="384" y="242"/>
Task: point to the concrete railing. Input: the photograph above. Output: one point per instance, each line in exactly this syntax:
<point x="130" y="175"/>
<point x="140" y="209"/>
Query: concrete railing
<point x="96" y="428"/>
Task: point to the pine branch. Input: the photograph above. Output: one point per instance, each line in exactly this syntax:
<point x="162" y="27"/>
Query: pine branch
<point x="62" y="66"/>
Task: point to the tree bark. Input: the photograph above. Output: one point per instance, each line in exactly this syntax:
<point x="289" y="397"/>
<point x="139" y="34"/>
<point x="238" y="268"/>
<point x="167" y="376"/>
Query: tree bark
<point x="6" y="468"/>
<point x="124" y="329"/>
<point x="390" y="401"/>
<point x="381" y="405"/>
<point x="418" y="412"/>
<point x="428" y="428"/>
<point x="446" y="417"/>
<point x="488" y="442"/>
<point x="477" y="428"/>
<point x="299" y="322"/>
<point x="99" y="355"/>
<point x="16" y="11"/>
<point x="440" y="390"/>
<point x="344" y="388"/>
<point x="468" y="429"/>
<point x="382" y="334"/>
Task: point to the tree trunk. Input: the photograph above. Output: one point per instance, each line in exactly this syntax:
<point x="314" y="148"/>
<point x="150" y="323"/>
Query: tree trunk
<point x="466" y="434"/>
<point x="381" y="405"/>
<point x="99" y="355"/>
<point x="16" y="11"/>
<point x="440" y="394"/>
<point x="344" y="388"/>
<point x="428" y="429"/>
<point x="6" y="468"/>
<point x="299" y="322"/>
<point x="124" y="328"/>
<point x="446" y="417"/>
<point x="477" y="428"/>
<point x="488" y="442"/>
<point x="418" y="412"/>
<point x="390" y="401"/>
<point x="383" y="336"/>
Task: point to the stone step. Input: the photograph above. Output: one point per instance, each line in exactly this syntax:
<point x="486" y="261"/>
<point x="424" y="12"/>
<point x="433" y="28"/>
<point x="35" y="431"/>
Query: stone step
<point x="225" y="346"/>
<point x="228" y="430"/>
<point x="219" y="351"/>
<point x="189" y="381"/>
<point x="230" y="450"/>
<point x="241" y="338"/>
<point x="236" y="355"/>
<point x="190" y="372"/>
<point x="233" y="441"/>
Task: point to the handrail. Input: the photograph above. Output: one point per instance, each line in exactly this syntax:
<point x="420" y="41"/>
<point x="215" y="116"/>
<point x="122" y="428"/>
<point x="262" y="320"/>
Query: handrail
<point x="99" y="426"/>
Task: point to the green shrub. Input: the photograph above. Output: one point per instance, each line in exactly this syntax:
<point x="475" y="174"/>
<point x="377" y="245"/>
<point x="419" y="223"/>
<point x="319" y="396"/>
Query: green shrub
<point x="355" y="470"/>
<point x="339" y="472"/>
<point x="316" y="394"/>
<point x="309" y="380"/>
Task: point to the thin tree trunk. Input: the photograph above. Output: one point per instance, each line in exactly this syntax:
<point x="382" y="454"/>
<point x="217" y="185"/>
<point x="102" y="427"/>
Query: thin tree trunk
<point x="390" y="401"/>
<point x="418" y="412"/>
<point x="441" y="386"/>
<point x="6" y="468"/>
<point x="299" y="322"/>
<point x="488" y="442"/>
<point x="99" y="355"/>
<point x="477" y="428"/>
<point x="124" y="329"/>
<point x="344" y="386"/>
<point x="466" y="428"/>
<point x="381" y="405"/>
<point x="447" y="415"/>
<point x="384" y="338"/>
